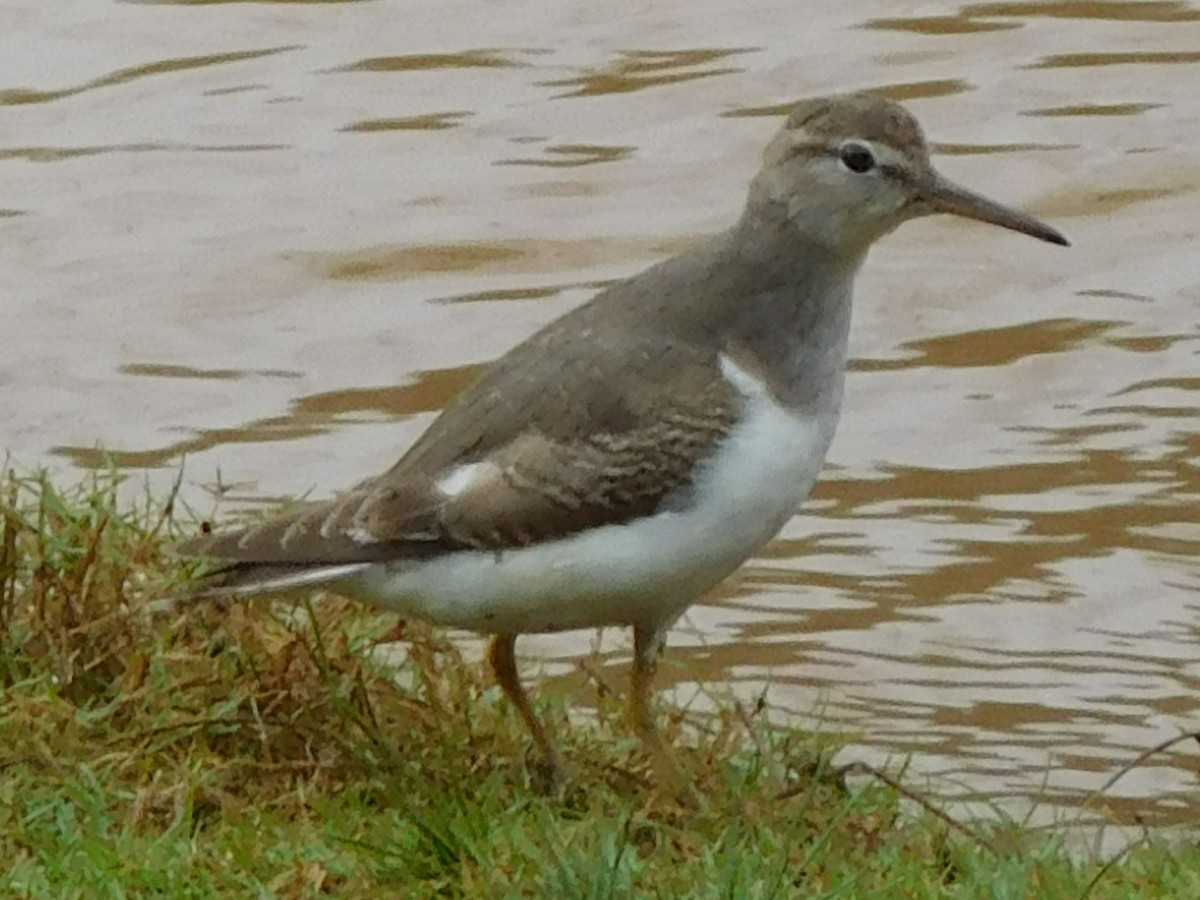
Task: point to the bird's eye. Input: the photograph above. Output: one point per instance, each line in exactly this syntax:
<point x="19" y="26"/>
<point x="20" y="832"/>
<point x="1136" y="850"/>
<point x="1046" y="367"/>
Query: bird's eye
<point x="857" y="157"/>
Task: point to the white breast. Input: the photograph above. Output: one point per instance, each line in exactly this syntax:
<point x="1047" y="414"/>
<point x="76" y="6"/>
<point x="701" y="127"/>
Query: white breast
<point x="645" y="572"/>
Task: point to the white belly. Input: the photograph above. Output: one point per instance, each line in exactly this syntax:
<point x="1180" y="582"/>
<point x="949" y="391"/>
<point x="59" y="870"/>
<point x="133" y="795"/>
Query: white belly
<point x="645" y="572"/>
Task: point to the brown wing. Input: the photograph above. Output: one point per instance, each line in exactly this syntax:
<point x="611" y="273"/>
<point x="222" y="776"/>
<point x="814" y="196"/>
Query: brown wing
<point x="550" y="478"/>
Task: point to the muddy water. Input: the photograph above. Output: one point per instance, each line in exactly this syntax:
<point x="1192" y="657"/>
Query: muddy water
<point x="276" y="238"/>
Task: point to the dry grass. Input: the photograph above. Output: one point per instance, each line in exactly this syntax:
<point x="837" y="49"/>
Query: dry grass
<point x="269" y="750"/>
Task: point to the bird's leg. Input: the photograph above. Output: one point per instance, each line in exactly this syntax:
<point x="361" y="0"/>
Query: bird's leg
<point x="504" y="665"/>
<point x="646" y="646"/>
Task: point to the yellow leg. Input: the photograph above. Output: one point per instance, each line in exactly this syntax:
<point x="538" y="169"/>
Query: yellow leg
<point x="646" y="646"/>
<point x="504" y="665"/>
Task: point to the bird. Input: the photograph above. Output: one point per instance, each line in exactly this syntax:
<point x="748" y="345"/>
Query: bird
<point x="619" y="463"/>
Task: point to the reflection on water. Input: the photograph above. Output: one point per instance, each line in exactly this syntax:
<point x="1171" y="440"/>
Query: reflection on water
<point x="58" y="154"/>
<point x="960" y="24"/>
<point x="915" y="90"/>
<point x="982" y="17"/>
<point x="166" y="370"/>
<point x="396" y="263"/>
<point x="213" y="2"/>
<point x="992" y="346"/>
<point x="636" y="70"/>
<point x="1085" y="60"/>
<point x="430" y="122"/>
<point x="566" y="156"/>
<point x="1110" y="10"/>
<point x="306" y="417"/>
<point x="1105" y="202"/>
<point x="998" y="573"/>
<point x="425" y="62"/>
<point x="529" y="293"/>
<point x="18" y="96"/>
<point x="983" y="149"/>
<point x="1095" y="109"/>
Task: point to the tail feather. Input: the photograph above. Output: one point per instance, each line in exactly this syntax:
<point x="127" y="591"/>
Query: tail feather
<point x="252" y="579"/>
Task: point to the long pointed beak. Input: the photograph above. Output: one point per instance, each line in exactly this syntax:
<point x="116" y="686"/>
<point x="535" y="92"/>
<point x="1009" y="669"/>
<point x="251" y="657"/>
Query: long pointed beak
<point x="944" y="196"/>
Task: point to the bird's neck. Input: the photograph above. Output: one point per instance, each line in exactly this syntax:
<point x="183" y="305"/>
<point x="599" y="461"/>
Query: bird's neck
<point x="770" y="230"/>
<point x="786" y="300"/>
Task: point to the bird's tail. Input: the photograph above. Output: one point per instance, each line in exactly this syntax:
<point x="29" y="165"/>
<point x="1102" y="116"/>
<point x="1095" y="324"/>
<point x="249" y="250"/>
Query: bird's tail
<point x="244" y="580"/>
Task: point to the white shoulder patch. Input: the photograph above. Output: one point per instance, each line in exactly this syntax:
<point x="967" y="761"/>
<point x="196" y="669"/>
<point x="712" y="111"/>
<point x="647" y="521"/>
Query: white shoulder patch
<point x="747" y="384"/>
<point x="462" y="478"/>
<point x="361" y="535"/>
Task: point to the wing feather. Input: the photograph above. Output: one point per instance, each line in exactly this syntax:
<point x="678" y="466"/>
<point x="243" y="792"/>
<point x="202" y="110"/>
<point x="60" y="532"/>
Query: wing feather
<point x="536" y="487"/>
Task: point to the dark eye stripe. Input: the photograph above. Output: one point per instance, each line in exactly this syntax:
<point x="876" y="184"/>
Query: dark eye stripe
<point x="810" y="150"/>
<point x="890" y="170"/>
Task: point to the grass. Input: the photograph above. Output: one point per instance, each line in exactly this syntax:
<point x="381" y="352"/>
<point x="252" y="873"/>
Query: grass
<point x="272" y="751"/>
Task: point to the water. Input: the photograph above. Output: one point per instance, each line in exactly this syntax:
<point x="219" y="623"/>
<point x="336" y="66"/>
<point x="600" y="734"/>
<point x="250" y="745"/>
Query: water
<point x="275" y="238"/>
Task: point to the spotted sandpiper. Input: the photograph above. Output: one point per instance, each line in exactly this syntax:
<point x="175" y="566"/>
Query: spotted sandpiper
<point x="623" y="460"/>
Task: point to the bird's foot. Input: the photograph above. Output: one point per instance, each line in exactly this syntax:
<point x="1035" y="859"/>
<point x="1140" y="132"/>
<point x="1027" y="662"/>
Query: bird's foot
<point x="547" y="776"/>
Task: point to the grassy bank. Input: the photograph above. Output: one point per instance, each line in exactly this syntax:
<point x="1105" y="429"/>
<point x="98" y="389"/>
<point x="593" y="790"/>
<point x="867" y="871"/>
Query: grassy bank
<point x="266" y="750"/>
